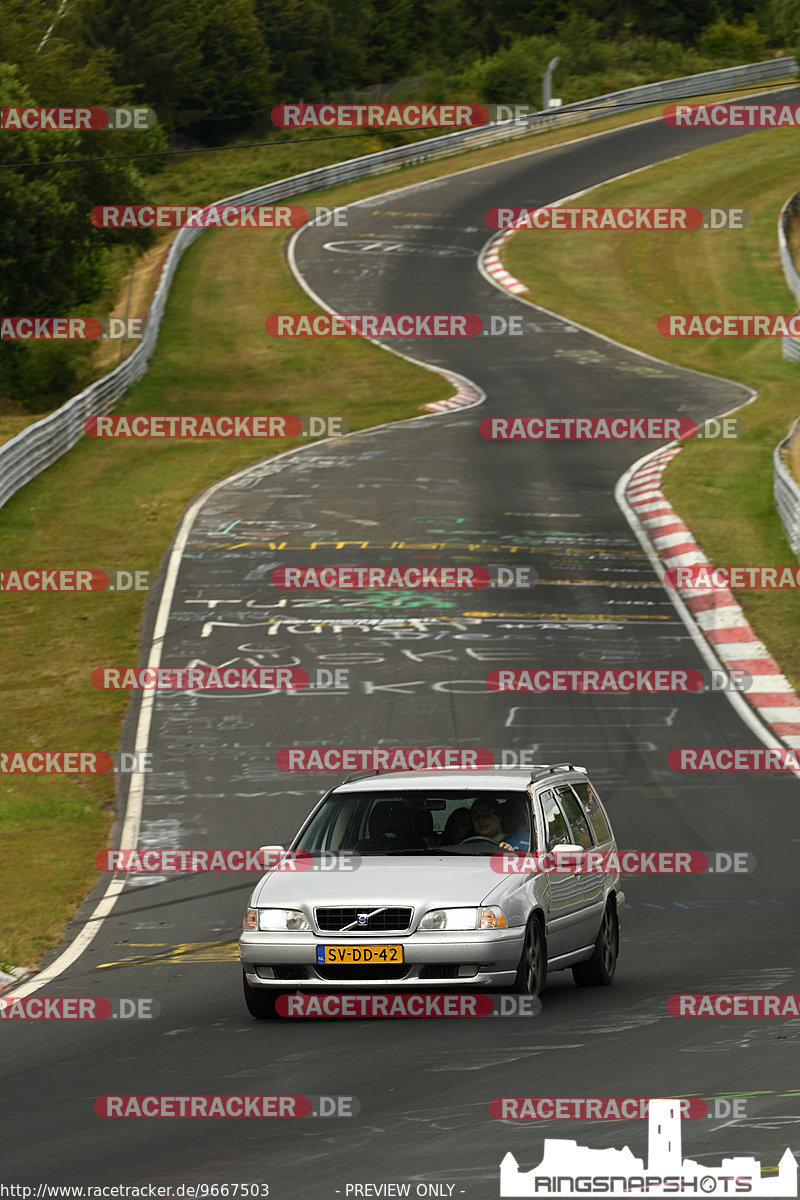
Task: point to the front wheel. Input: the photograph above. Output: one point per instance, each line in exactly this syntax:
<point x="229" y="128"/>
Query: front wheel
<point x="599" y="970"/>
<point x="260" y="1001"/>
<point x="532" y="969"/>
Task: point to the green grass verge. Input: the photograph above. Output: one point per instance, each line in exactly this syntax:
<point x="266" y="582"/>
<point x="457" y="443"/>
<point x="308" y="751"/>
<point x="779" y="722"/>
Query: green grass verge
<point x="115" y="504"/>
<point x="619" y="284"/>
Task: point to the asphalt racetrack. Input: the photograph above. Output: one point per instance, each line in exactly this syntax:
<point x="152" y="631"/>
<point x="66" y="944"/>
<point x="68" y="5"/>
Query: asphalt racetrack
<point x="431" y="492"/>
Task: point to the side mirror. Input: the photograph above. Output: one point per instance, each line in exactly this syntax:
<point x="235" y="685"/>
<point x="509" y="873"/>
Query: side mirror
<point x="273" y="856"/>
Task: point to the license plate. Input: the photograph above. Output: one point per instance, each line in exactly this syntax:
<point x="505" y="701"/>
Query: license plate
<point x="363" y="955"/>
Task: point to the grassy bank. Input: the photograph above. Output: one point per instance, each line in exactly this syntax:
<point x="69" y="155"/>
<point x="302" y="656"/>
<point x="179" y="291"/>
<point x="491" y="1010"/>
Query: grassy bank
<point x="620" y="284"/>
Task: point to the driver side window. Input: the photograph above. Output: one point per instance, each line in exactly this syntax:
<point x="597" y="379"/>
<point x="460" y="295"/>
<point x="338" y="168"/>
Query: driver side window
<point x="557" y="829"/>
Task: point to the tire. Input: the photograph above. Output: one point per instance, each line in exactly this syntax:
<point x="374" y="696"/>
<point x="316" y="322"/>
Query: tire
<point x="599" y="970"/>
<point x="260" y="1001"/>
<point x="532" y="969"/>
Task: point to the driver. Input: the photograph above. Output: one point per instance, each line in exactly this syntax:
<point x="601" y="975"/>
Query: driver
<point x="486" y="821"/>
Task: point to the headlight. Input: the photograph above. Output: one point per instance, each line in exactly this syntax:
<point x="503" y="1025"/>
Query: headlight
<point x="463" y="918"/>
<point x="276" y="920"/>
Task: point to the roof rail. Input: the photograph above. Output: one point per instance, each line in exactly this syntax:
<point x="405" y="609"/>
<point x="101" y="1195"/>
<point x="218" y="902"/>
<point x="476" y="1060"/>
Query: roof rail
<point x="536" y="769"/>
<point x="565" y="766"/>
<point x="360" y="775"/>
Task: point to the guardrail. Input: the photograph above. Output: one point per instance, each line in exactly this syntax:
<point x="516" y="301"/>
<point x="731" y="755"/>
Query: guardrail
<point x="41" y="444"/>
<point x="787" y="492"/>
<point x="790" y="346"/>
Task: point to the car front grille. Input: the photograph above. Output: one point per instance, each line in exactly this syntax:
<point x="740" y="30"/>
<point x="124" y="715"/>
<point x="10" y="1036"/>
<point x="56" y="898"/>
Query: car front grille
<point x="359" y="972"/>
<point x="335" y="920"/>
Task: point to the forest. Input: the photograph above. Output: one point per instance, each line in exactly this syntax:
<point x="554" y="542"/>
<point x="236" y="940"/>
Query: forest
<point x="213" y="69"/>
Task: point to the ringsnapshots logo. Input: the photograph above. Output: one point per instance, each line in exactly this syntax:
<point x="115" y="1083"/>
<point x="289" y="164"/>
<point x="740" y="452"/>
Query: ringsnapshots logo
<point x="60" y="120"/>
<point x="215" y="425"/>
<point x="567" y="1169"/>
<point x="405" y="1005"/>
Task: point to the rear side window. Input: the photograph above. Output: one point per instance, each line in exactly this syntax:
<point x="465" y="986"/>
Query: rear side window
<point x="594" y="811"/>
<point x="557" y="828"/>
<point x="574" y="814"/>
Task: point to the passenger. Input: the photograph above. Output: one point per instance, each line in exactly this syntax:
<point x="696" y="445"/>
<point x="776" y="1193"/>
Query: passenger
<point x="457" y="827"/>
<point x="486" y="822"/>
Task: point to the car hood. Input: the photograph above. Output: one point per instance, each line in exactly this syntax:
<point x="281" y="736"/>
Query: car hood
<point x="431" y="881"/>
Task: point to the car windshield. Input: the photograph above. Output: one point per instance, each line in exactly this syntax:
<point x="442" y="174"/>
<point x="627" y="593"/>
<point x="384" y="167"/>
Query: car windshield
<point x="420" y="822"/>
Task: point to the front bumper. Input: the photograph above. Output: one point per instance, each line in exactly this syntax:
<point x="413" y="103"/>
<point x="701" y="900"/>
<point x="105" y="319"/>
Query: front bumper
<point x="485" y="959"/>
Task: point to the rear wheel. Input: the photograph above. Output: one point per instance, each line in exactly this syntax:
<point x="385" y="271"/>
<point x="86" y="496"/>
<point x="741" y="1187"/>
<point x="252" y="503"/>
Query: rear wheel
<point x="532" y="969"/>
<point x="260" y="1001"/>
<point x="598" y="971"/>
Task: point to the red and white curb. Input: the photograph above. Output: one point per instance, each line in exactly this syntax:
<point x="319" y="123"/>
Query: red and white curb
<point x="491" y="261"/>
<point x="466" y="395"/>
<point x="714" y="611"/>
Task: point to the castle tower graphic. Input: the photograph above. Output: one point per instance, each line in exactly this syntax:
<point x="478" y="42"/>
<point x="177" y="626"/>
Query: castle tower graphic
<point x="664" y="1137"/>
<point x="564" y="1162"/>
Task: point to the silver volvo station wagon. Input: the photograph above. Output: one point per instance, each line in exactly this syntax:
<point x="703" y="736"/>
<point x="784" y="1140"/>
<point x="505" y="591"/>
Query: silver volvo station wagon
<point x="418" y="894"/>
